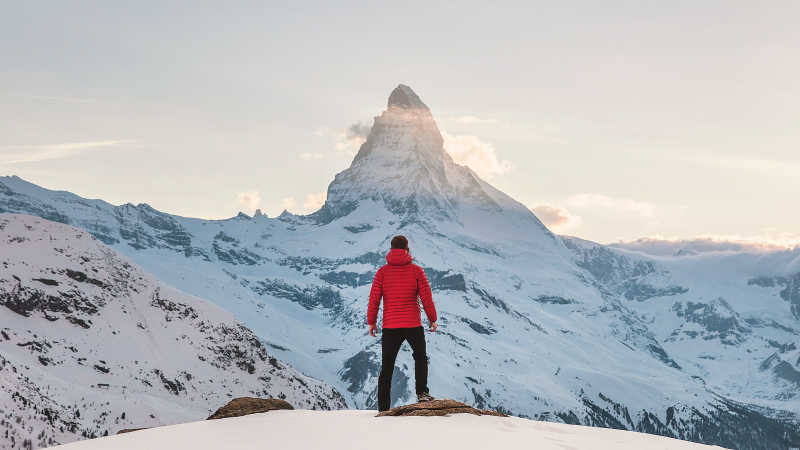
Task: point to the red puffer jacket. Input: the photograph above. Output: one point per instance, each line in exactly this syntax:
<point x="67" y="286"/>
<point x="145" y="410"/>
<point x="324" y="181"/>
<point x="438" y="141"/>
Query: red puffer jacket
<point x="400" y="283"/>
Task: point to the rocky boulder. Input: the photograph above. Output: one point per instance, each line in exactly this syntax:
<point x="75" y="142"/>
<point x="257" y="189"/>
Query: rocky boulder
<point x="243" y="406"/>
<point x="129" y="430"/>
<point x="438" y="408"/>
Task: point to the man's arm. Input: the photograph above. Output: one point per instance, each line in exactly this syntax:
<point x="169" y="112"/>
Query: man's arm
<point x="426" y="297"/>
<point x="375" y="295"/>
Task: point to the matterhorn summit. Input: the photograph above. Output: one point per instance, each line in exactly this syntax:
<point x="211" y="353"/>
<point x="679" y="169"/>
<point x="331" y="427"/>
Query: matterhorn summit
<point x="402" y="167"/>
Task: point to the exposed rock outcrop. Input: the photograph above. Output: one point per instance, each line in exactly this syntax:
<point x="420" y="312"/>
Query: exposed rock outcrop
<point x="243" y="406"/>
<point x="129" y="430"/>
<point x="438" y="408"/>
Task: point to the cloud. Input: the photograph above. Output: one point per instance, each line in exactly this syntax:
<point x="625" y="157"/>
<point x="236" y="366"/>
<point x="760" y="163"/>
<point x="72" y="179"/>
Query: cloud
<point x="53" y="98"/>
<point x="467" y="150"/>
<point x="57" y="98"/>
<point x="36" y="153"/>
<point x="250" y="199"/>
<point x="478" y="155"/>
<point x="556" y="218"/>
<point x="288" y="203"/>
<point x="310" y="156"/>
<point x="314" y="201"/>
<point x="472" y="120"/>
<point x="589" y="200"/>
<point x="359" y="129"/>
<point x="349" y="140"/>
<point x="746" y="163"/>
<point x="767" y="240"/>
<point x="321" y="131"/>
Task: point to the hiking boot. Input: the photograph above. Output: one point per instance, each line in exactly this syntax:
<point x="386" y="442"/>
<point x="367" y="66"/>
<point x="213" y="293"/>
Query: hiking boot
<point x="424" y="397"/>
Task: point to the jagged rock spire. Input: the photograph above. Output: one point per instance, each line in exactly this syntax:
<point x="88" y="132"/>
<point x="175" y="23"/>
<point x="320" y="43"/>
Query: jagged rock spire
<point x="404" y="97"/>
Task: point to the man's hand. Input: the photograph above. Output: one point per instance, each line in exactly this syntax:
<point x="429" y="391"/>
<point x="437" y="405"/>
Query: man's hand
<point x="372" y="329"/>
<point x="433" y="327"/>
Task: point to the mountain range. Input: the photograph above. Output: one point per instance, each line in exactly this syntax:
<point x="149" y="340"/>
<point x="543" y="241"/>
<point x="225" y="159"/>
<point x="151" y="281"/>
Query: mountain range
<point x="699" y="345"/>
<point x="91" y="344"/>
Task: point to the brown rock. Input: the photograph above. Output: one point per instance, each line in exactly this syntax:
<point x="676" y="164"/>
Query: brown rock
<point x="128" y="430"/>
<point x="243" y="406"/>
<point x="438" y="408"/>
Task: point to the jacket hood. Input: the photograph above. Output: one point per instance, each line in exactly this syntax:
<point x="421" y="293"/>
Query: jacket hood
<point x="398" y="257"/>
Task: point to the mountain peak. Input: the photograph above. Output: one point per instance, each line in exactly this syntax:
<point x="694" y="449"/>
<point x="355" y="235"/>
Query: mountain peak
<point x="404" y="97"/>
<point x="403" y="165"/>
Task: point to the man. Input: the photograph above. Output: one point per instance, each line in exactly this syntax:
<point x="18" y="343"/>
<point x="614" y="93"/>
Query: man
<point x="401" y="283"/>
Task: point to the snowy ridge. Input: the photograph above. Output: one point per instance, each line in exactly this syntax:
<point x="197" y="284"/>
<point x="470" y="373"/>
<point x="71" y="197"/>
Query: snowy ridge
<point x="541" y="326"/>
<point x="689" y="247"/>
<point x="357" y="430"/>
<point x="724" y="313"/>
<point x="90" y="344"/>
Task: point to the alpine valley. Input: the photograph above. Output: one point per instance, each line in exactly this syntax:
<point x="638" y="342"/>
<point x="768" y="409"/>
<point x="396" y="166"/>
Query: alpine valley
<point x="699" y="345"/>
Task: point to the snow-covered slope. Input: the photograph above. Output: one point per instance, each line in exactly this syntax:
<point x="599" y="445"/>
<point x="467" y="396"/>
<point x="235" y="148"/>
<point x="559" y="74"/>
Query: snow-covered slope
<point x="538" y="325"/>
<point x="730" y="318"/>
<point x="355" y="430"/>
<point x="90" y="344"/>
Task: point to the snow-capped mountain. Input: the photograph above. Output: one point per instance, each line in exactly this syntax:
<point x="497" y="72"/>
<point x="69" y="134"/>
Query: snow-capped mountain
<point x="686" y="247"/>
<point x="91" y="344"/>
<point x="700" y="348"/>
<point x="403" y="169"/>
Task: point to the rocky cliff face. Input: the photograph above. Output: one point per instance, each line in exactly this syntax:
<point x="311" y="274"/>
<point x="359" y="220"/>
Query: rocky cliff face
<point x="90" y="344"/>
<point x="531" y="324"/>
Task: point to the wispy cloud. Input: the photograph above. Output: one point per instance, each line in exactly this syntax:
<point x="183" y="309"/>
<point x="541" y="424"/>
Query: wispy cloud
<point x="310" y="156"/>
<point x="347" y="140"/>
<point x="467" y="150"/>
<point x="321" y="131"/>
<point x="556" y="218"/>
<point x="768" y="239"/>
<point x="312" y="203"/>
<point x="58" y="98"/>
<point x="15" y="154"/>
<point x="746" y="163"/>
<point x="350" y="139"/>
<point x="288" y="203"/>
<point x="472" y="120"/>
<point x="593" y="200"/>
<point x="475" y="153"/>
<point x="250" y="200"/>
<point x="53" y="98"/>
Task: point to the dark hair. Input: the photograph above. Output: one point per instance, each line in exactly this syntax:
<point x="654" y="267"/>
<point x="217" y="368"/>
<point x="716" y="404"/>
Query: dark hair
<point x="400" y="241"/>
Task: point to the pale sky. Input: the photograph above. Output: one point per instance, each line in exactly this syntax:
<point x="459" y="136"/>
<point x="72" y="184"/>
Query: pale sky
<point x="614" y="120"/>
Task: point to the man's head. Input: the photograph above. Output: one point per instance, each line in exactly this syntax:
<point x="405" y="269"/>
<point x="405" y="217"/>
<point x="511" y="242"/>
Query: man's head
<point x="400" y="242"/>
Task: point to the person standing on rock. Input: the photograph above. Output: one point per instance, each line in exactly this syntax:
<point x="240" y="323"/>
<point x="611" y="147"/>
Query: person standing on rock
<point x="401" y="284"/>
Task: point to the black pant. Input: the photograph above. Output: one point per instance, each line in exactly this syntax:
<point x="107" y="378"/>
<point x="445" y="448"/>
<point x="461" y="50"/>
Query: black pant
<point x="391" y="340"/>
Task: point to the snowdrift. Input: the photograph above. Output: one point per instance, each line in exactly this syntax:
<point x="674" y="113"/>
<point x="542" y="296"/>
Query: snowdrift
<point x="360" y="429"/>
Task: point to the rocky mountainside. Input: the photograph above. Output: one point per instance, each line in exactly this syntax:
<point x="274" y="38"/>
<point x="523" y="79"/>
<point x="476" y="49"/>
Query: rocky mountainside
<point x="532" y="324"/>
<point x="91" y="344"/>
